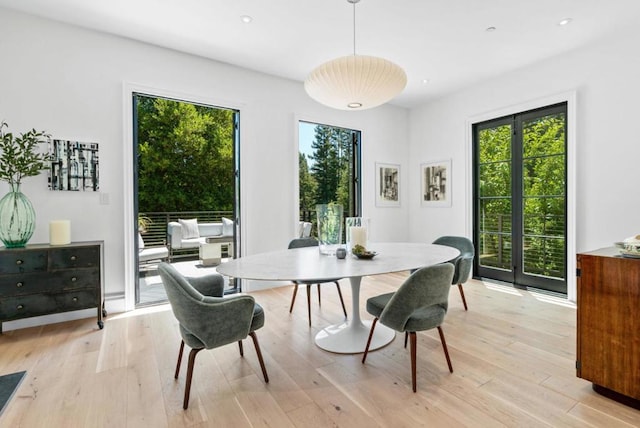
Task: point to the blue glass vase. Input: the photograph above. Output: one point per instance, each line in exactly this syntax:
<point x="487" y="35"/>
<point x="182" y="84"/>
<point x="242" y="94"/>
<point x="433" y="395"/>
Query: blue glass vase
<point x="17" y="219"/>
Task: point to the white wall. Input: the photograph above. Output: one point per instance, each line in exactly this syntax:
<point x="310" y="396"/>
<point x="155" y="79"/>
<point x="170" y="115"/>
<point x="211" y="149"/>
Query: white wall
<point x="69" y="82"/>
<point x="604" y="77"/>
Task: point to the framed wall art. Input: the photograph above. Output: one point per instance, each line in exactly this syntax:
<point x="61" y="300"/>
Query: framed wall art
<point x="387" y="185"/>
<point x="435" y="190"/>
<point x="74" y="166"/>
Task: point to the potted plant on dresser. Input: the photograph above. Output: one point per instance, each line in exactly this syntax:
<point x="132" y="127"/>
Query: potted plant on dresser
<point x="19" y="158"/>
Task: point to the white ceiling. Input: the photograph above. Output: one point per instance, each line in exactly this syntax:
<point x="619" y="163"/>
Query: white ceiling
<point x="444" y="41"/>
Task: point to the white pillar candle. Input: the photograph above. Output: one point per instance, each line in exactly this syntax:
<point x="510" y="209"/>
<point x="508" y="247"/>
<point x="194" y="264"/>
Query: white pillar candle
<point x="358" y="236"/>
<point x="59" y="232"/>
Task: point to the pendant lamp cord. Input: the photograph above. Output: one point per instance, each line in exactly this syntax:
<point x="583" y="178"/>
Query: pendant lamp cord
<point x="354" y="28"/>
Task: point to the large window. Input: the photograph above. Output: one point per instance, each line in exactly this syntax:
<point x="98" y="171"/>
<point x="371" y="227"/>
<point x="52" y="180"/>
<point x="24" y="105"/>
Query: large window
<point x="520" y="198"/>
<point x="329" y="165"/>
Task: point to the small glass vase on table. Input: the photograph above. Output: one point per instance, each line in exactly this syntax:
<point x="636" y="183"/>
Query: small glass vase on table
<point x="329" y="228"/>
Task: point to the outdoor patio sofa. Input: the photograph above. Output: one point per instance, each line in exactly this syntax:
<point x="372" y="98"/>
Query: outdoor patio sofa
<point x="189" y="234"/>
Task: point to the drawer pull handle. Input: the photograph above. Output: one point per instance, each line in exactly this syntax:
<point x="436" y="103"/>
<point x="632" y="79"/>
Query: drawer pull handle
<point x="19" y="262"/>
<point x="19" y="284"/>
<point x="20" y="307"/>
<point x="75" y="299"/>
<point x="73" y="258"/>
<point x="74" y="279"/>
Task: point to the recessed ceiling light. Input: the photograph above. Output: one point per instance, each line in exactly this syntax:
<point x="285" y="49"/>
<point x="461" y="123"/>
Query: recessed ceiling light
<point x="565" y="21"/>
<point x="490" y="29"/>
<point x="425" y="81"/>
<point x="246" y="19"/>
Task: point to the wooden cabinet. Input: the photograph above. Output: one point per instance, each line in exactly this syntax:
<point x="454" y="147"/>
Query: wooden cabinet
<point x="608" y="336"/>
<point x="41" y="279"/>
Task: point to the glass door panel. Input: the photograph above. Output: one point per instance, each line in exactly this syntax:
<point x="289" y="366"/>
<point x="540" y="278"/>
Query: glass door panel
<point x="543" y="201"/>
<point x="494" y="189"/>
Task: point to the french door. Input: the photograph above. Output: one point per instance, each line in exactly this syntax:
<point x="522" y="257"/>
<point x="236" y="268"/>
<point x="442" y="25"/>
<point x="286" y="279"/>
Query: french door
<point x="520" y="201"/>
<point x="186" y="165"/>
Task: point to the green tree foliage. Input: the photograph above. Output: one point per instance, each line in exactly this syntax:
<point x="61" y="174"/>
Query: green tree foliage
<point x="185" y="156"/>
<point x="326" y="166"/>
<point x="331" y="170"/>
<point x="544" y="195"/>
<point x="307" y="185"/>
<point x="345" y="171"/>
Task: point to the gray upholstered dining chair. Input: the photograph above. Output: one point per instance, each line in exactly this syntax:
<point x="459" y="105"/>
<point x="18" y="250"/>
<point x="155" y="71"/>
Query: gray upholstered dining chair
<point x="419" y="304"/>
<point x="208" y="320"/>
<point x="463" y="263"/>
<point x="311" y="242"/>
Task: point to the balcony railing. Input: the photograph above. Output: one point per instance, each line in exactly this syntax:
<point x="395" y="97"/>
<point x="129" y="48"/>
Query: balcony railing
<point x="156" y="232"/>
<point x="543" y="249"/>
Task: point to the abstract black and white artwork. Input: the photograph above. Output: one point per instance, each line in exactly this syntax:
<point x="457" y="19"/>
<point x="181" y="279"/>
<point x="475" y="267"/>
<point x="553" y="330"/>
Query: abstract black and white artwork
<point x="387" y="185"/>
<point x="435" y="188"/>
<point x="74" y="166"/>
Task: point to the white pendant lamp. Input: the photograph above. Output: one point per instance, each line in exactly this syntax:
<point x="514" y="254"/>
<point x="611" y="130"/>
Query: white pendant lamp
<point x="355" y="82"/>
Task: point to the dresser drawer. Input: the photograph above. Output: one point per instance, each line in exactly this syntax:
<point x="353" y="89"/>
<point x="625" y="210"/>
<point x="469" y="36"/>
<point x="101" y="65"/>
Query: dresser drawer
<point x="74" y="257"/>
<point x="21" y="261"/>
<point x="47" y="303"/>
<point x="30" y="283"/>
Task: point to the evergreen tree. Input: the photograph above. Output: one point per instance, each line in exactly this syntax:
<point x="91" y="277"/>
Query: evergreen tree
<point x="345" y="171"/>
<point x="326" y="166"/>
<point x="307" y="184"/>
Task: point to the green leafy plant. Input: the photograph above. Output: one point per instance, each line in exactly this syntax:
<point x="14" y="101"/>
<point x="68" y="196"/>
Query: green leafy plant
<point x="19" y="155"/>
<point x="358" y="249"/>
<point x="143" y="223"/>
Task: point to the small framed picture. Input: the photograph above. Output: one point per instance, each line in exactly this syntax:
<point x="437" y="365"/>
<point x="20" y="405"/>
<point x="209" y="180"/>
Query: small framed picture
<point x="387" y="185"/>
<point x="435" y="189"/>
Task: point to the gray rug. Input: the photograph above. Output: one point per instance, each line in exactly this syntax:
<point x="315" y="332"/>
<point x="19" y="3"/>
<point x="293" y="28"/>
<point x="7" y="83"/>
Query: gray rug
<point x="8" y="386"/>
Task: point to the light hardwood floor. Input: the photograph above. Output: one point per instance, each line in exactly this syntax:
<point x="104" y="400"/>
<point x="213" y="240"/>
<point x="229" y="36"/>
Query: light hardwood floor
<point x="513" y="355"/>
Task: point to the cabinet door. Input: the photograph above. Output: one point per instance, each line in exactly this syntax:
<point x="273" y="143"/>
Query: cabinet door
<point x="608" y="325"/>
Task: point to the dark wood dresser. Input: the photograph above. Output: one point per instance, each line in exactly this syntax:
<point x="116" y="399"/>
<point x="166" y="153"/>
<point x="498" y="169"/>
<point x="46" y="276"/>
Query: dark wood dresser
<point x="608" y="336"/>
<point x="41" y="279"/>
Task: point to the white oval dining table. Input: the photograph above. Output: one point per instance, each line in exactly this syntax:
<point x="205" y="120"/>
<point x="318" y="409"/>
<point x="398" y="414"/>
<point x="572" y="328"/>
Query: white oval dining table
<point x="308" y="265"/>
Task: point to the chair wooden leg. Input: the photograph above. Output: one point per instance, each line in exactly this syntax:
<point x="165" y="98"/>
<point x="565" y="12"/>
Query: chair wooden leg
<point x="179" y="359"/>
<point x="309" y="302"/>
<point x="464" y="301"/>
<point x="293" y="298"/>
<point x="241" y="349"/>
<point x="406" y="338"/>
<point x="257" y="346"/>
<point x="344" y="309"/>
<point x="413" y="346"/>
<point x="187" y="386"/>
<point x="446" y="351"/>
<point x="319" y="298"/>
<point x="366" y="349"/>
